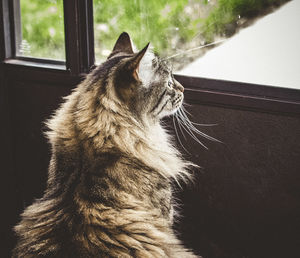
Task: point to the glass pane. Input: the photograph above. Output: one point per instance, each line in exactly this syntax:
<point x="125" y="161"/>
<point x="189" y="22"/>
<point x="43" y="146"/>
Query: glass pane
<point x="170" y="25"/>
<point x="254" y="41"/>
<point x="42" y="29"/>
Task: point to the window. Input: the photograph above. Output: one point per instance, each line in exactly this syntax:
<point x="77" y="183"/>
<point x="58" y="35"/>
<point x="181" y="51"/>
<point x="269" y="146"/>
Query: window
<point x="171" y="26"/>
<point x="41" y="29"/>
<point x="266" y="52"/>
<point x="78" y="31"/>
<point x="184" y="31"/>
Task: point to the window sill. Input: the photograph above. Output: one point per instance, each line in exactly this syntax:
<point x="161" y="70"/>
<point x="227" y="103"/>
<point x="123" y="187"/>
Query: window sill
<point x="240" y="95"/>
<point x="34" y="71"/>
<point x="37" y="63"/>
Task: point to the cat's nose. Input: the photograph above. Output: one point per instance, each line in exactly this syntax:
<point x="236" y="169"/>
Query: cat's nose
<point x="179" y="87"/>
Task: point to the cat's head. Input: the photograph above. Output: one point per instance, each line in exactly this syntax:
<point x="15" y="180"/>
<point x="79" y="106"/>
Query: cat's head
<point x="139" y="81"/>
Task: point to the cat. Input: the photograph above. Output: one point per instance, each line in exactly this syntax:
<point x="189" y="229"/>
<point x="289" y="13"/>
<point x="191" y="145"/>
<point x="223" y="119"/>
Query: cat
<point x="109" y="180"/>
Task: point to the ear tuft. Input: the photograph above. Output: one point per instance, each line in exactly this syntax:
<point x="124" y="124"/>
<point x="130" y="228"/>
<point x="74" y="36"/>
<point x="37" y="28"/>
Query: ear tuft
<point x="123" y="44"/>
<point x="135" y="61"/>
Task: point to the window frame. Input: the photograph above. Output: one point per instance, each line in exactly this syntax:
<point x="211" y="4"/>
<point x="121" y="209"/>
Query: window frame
<point x="79" y="48"/>
<point x="79" y="38"/>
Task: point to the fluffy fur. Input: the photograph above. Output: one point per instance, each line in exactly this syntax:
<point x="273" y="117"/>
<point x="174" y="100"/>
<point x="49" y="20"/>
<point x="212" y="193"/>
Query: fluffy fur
<point x="109" y="184"/>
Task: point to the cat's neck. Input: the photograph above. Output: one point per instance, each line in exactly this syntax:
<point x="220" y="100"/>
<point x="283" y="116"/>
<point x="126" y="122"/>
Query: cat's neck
<point x="151" y="144"/>
<point x="111" y="128"/>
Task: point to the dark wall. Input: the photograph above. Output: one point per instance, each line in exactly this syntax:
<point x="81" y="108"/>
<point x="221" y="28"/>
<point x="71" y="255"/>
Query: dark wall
<point x="245" y="201"/>
<point x="8" y="190"/>
<point x="25" y="153"/>
<point x="31" y="105"/>
<point x="246" y="198"/>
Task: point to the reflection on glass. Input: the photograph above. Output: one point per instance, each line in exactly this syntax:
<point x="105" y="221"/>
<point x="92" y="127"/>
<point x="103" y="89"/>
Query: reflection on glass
<point x="265" y="53"/>
<point x="41" y="32"/>
<point x="187" y="31"/>
<point x="171" y="26"/>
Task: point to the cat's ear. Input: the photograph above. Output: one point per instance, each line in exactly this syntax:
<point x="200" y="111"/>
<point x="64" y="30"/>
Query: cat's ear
<point x="134" y="62"/>
<point x="128" y="75"/>
<point x="123" y="44"/>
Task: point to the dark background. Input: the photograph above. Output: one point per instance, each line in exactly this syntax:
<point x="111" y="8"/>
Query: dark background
<point x="245" y="201"/>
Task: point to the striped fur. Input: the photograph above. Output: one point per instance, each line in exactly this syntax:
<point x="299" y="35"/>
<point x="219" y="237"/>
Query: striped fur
<point x="109" y="184"/>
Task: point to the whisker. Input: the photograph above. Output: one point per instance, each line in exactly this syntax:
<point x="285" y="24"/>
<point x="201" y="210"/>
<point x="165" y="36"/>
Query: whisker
<point x="179" y="125"/>
<point x="193" y="136"/>
<point x="186" y="127"/>
<point x="189" y="125"/>
<point x="186" y="104"/>
<point x="207" y="125"/>
<point x="179" y="137"/>
<point x="184" y="111"/>
<point x="195" y="48"/>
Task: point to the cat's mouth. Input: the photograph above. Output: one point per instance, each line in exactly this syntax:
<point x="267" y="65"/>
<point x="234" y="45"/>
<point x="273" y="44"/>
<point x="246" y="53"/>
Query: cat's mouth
<point x="177" y="102"/>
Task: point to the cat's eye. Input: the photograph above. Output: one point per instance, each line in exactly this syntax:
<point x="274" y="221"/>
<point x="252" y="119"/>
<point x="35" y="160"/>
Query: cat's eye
<point x="170" y="84"/>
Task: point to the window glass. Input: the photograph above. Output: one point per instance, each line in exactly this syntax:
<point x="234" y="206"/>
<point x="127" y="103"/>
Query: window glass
<point x="41" y="29"/>
<point x="170" y="25"/>
<point x="253" y="41"/>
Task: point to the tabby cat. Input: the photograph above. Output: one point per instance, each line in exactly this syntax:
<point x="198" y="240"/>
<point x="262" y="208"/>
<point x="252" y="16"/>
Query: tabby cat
<point x="109" y="186"/>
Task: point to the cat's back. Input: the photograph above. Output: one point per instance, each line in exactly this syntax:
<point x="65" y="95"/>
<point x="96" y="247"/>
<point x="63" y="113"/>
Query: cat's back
<point x="91" y="216"/>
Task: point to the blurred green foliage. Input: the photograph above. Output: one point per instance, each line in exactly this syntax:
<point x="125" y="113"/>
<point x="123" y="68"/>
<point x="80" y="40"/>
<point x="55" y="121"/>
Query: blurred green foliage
<point x="170" y="25"/>
<point x="164" y="23"/>
<point x="42" y="29"/>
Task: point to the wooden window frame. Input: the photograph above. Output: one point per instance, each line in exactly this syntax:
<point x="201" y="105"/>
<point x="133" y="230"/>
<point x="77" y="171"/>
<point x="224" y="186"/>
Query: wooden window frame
<point x="79" y="47"/>
<point x="79" y="44"/>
